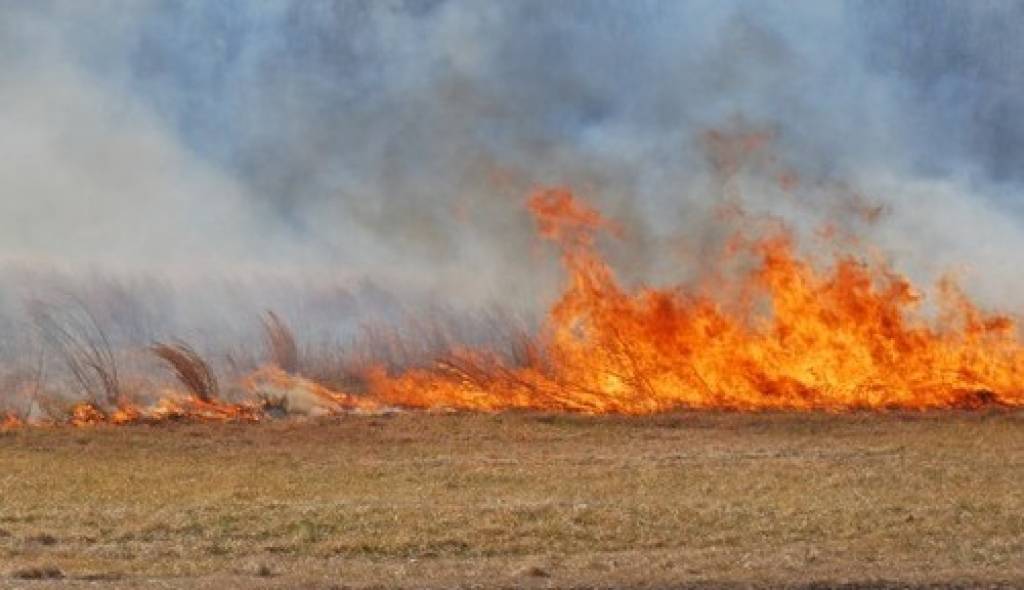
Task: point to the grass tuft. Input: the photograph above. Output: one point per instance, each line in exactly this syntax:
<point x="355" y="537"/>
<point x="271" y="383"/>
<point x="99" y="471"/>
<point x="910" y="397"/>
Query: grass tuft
<point x="78" y="338"/>
<point x="190" y="368"/>
<point x="280" y="341"/>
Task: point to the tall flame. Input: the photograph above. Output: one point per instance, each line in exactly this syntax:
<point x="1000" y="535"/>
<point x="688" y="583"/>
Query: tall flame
<point x="849" y="336"/>
<point x="783" y="334"/>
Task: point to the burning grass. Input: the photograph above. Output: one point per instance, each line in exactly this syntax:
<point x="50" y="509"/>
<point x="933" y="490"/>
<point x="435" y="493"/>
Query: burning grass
<point x="783" y="334"/>
<point x="513" y="500"/>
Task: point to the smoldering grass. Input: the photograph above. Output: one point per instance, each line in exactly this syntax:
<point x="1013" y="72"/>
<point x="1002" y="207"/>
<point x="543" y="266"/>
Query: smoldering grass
<point x="422" y="337"/>
<point x="21" y="389"/>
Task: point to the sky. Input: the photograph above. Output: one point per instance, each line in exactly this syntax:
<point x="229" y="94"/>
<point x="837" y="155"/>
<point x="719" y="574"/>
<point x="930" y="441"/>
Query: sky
<point x="395" y="140"/>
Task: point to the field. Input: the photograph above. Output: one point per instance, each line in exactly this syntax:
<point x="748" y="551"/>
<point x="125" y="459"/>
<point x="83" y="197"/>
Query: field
<point x="519" y="500"/>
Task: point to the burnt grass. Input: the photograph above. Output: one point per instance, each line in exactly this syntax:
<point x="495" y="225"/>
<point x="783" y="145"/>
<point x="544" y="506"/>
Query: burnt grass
<point x="689" y="500"/>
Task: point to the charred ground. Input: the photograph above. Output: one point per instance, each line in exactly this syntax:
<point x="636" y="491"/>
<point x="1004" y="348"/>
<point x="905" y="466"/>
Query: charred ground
<point x="510" y="500"/>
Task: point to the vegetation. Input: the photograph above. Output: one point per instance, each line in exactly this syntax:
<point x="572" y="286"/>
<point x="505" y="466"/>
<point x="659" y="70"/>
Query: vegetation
<point x="511" y="500"/>
<point x="189" y="367"/>
<point x="280" y="342"/>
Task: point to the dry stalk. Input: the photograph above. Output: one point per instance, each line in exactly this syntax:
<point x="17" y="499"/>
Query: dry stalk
<point x="280" y="342"/>
<point x="84" y="346"/>
<point x="190" y="368"/>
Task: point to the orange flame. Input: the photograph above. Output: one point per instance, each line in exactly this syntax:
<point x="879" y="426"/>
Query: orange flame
<point x="168" y="408"/>
<point x="845" y="337"/>
<point x="268" y="387"/>
<point x="785" y="334"/>
<point x="9" y="421"/>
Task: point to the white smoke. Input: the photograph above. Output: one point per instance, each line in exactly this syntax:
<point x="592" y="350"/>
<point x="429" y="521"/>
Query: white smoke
<point x="319" y="143"/>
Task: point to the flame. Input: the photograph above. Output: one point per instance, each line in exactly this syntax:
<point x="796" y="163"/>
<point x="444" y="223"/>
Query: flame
<point x="170" y="407"/>
<point x="268" y="388"/>
<point x="782" y="334"/>
<point x="844" y="337"/>
<point x="9" y="421"/>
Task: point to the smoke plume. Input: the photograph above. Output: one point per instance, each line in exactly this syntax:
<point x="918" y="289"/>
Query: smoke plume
<point x="189" y="164"/>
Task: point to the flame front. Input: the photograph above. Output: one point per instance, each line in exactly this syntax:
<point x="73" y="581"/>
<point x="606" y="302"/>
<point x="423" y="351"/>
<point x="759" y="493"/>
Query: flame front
<point x="783" y="334"/>
<point x="170" y="407"/>
<point x="268" y="388"/>
<point x="846" y="337"/>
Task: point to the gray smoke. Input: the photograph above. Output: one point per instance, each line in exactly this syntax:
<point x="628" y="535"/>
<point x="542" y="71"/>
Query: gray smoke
<point x="238" y="155"/>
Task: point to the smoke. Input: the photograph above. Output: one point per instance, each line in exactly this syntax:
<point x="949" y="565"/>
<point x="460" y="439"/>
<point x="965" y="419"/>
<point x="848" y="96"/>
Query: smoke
<point x="226" y="147"/>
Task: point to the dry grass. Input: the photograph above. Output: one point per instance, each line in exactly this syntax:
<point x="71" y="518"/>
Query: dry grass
<point x="513" y="500"/>
<point x="190" y="369"/>
<point x="24" y="386"/>
<point x="280" y="342"/>
<point x="76" y="336"/>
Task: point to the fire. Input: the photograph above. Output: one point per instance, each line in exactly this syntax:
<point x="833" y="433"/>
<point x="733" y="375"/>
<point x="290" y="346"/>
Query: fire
<point x="844" y="337"/>
<point x="171" y="407"/>
<point x="784" y="333"/>
<point x="268" y="389"/>
<point x="9" y="421"/>
<point x="290" y="392"/>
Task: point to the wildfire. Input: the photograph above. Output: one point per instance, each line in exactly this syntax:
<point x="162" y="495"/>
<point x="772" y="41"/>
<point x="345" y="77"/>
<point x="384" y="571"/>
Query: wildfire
<point x="270" y="390"/>
<point x="9" y="421"/>
<point x="782" y="334"/>
<point x="172" y="407"/>
<point x="846" y="337"/>
<point x="292" y="393"/>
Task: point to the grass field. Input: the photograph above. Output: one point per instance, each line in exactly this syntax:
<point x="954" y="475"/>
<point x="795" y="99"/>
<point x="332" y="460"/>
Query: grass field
<point x="519" y="500"/>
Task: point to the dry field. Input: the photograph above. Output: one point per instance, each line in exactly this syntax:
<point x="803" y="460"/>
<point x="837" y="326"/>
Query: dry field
<point x="519" y="500"/>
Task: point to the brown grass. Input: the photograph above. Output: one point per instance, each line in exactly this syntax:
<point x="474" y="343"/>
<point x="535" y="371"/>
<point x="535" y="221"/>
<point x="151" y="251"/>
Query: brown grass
<point x="190" y="368"/>
<point x="280" y="342"/>
<point x="22" y="388"/>
<point x="76" y="336"/>
<point x="521" y="500"/>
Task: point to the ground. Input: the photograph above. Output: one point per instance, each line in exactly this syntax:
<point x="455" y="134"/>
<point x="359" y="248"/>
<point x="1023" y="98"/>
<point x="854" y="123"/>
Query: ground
<point x="519" y="500"/>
